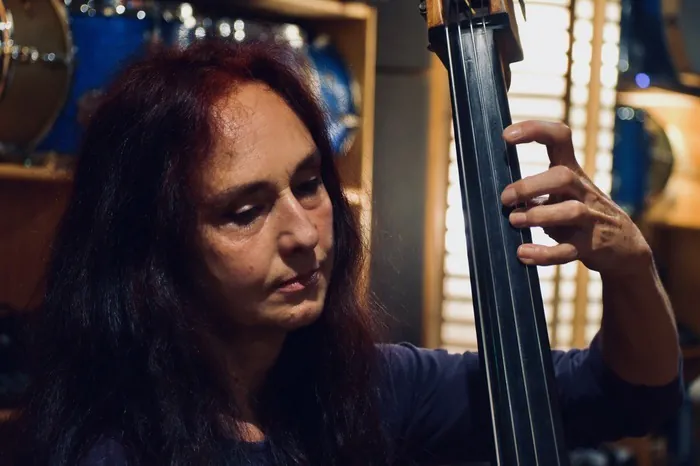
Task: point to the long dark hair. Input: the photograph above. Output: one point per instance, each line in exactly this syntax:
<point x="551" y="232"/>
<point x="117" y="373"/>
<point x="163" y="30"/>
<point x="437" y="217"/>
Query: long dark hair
<point x="117" y="339"/>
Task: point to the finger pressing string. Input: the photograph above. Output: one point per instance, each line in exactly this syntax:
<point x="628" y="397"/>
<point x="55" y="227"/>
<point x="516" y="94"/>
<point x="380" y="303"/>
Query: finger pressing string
<point x="556" y="136"/>
<point x="537" y="254"/>
<point x="567" y="213"/>
<point x="556" y="180"/>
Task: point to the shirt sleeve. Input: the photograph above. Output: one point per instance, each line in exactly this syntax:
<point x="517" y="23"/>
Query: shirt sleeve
<point x="439" y="405"/>
<point x="106" y="452"/>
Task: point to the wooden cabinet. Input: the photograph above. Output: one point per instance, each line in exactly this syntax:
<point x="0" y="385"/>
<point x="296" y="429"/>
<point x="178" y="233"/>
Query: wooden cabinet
<point x="33" y="199"/>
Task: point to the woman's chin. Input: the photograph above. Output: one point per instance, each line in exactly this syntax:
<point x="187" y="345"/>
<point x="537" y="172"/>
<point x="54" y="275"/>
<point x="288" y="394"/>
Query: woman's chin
<point x="300" y="315"/>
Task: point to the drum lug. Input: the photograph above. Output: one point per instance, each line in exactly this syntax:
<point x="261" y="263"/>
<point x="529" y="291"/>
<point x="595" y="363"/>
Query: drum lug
<point x="25" y="54"/>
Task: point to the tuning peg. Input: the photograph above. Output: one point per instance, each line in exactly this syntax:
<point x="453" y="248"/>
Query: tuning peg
<point x="423" y="8"/>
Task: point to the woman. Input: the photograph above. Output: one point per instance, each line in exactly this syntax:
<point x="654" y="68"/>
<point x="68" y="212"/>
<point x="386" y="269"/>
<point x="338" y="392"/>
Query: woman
<point x="204" y="302"/>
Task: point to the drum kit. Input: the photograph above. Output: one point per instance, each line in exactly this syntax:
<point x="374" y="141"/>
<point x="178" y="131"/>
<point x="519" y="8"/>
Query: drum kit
<point x="57" y="55"/>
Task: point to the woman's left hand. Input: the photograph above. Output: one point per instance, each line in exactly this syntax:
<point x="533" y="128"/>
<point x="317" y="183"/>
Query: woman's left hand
<point x="585" y="222"/>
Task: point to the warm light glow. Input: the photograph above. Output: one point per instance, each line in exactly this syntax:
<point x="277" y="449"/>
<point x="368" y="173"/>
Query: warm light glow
<point x="537" y="108"/>
<point x="591" y="330"/>
<point x="457" y="287"/>
<point x="455" y="242"/>
<point x="611" y="54"/>
<point x="568" y="271"/>
<point x="608" y="75"/>
<point x="581" y="73"/>
<point x="456" y="264"/>
<point x="458" y="311"/>
<point x="608" y="96"/>
<point x="583" y="30"/>
<point x="547" y="288"/>
<point x="603" y="162"/>
<point x="566" y="308"/>
<point x="654" y="98"/>
<point x="533" y="154"/>
<point x="603" y="181"/>
<point x="577" y="116"/>
<point x="607" y="119"/>
<point x="462" y="336"/>
<point x="612" y="14"/>
<point x="677" y="141"/>
<point x="579" y="95"/>
<point x="542" y="84"/>
<point x="578" y="135"/>
<point x="605" y="140"/>
<point x="582" y="51"/>
<point x="565" y="333"/>
<point x="539" y="62"/>
<point x="595" y="311"/>
<point x="584" y="9"/>
<point x="567" y="290"/>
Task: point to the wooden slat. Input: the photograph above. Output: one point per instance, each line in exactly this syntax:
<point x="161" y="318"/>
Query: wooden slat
<point x="436" y="182"/>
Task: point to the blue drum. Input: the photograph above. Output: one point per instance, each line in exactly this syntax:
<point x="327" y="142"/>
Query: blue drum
<point x="179" y="26"/>
<point x="338" y="91"/>
<point x="106" y="37"/>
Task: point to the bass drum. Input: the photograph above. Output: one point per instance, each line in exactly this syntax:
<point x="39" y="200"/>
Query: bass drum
<point x="36" y="53"/>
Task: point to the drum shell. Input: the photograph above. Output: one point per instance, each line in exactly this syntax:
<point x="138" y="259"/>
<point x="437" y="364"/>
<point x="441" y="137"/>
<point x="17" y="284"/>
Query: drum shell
<point x="33" y="93"/>
<point x="104" y="45"/>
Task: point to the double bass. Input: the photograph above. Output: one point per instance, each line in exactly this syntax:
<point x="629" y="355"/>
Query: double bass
<point x="477" y="41"/>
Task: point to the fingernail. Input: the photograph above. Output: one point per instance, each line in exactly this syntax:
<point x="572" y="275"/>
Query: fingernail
<point x="518" y="218"/>
<point x="513" y="133"/>
<point x="509" y="196"/>
<point x="523" y="252"/>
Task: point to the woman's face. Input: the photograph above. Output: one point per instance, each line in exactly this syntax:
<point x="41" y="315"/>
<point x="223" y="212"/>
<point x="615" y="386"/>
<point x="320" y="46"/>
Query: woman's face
<point x="265" y="221"/>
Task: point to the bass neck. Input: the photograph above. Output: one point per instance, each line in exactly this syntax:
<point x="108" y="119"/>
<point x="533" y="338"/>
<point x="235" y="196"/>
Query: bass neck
<point x="508" y="309"/>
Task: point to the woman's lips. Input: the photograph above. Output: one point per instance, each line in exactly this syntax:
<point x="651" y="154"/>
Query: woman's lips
<point x="300" y="282"/>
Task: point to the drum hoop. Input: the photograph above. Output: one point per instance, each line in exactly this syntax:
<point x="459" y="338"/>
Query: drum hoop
<point x="61" y="13"/>
<point x="111" y="12"/>
<point x="6" y="20"/>
<point x="16" y="54"/>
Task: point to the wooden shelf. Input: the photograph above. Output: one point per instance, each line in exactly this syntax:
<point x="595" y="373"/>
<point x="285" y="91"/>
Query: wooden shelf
<point x="309" y="9"/>
<point x="20" y="172"/>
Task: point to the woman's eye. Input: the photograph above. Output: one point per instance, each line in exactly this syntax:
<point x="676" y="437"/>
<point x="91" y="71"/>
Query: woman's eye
<point x="245" y="216"/>
<point x="309" y="187"/>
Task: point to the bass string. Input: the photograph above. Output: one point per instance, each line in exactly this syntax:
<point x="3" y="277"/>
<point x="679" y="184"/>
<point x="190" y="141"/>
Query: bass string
<point x="449" y="29"/>
<point x="487" y="357"/>
<point x="511" y="178"/>
<point x="490" y="159"/>
<point x="499" y="331"/>
<point x="523" y="239"/>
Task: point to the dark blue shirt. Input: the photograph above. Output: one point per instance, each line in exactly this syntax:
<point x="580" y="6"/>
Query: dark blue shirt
<point x="436" y="406"/>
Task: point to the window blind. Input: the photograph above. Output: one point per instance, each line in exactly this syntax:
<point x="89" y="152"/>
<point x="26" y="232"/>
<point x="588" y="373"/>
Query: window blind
<point x="555" y="82"/>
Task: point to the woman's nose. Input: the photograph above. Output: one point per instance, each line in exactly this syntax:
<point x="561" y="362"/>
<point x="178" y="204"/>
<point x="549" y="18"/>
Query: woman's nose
<point x="298" y="231"/>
